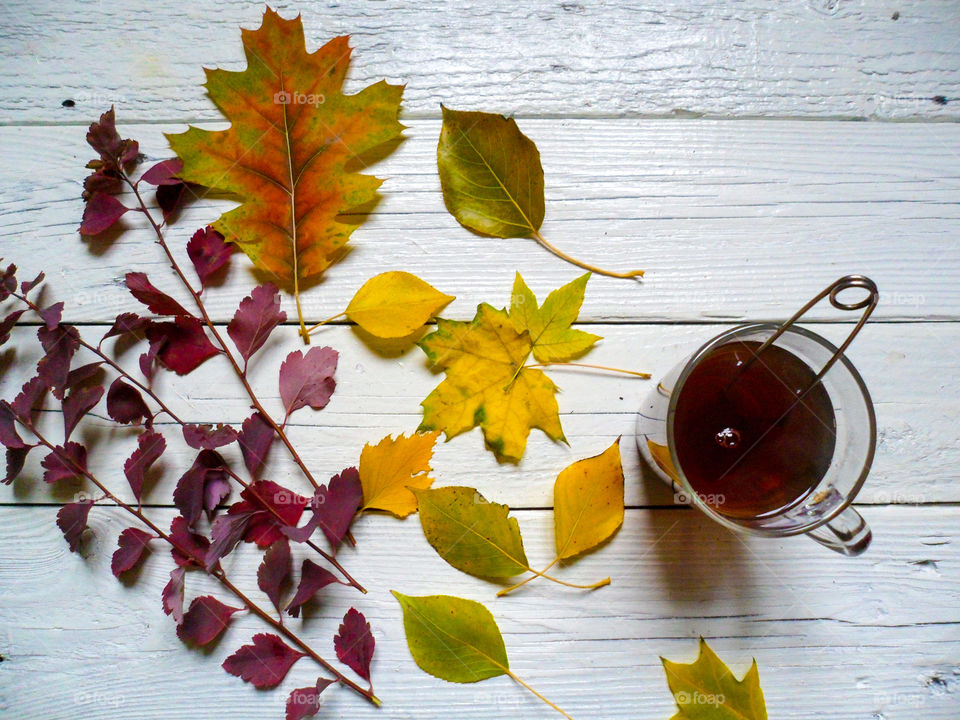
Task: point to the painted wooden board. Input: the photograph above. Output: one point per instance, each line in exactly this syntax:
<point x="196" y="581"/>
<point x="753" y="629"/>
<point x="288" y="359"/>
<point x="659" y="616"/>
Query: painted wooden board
<point x="835" y="638"/>
<point x="815" y="58"/>
<point x="909" y="368"/>
<point x="732" y="220"/>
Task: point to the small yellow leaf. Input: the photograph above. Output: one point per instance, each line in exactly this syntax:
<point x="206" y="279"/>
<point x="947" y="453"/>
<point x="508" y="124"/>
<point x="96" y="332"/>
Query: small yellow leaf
<point x="395" y="304"/>
<point x="549" y="325"/>
<point x="389" y="468"/>
<point x="588" y="502"/>
<point x="707" y="689"/>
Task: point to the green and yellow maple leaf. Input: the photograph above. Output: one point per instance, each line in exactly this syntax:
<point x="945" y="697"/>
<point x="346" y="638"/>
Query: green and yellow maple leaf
<point x="549" y="325"/>
<point x="487" y="383"/>
<point x="291" y="151"/>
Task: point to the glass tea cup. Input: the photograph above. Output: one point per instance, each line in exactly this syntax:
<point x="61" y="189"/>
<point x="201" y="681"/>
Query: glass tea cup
<point x="824" y="511"/>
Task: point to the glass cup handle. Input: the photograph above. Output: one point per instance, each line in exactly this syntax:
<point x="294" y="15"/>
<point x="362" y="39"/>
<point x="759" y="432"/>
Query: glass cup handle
<point x="847" y="533"/>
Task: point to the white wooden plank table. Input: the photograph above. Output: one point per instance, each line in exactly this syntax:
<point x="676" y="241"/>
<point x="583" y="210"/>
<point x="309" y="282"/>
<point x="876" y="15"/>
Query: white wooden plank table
<point x="707" y="142"/>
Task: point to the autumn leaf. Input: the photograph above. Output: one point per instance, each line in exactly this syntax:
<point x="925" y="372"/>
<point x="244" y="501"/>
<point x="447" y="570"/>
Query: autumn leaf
<point x="487" y="383"/>
<point x="72" y="521"/>
<point x="395" y="304"/>
<point x="492" y="180"/>
<point x="131" y="545"/>
<point x="456" y="640"/>
<point x="549" y="325"/>
<point x="258" y="315"/>
<point x="707" y="689"/>
<point x="313" y="579"/>
<point x="290" y="150"/>
<point x="264" y="663"/>
<point x="305" y="702"/>
<point x="354" y="643"/>
<point x="205" y="620"/>
<point x="390" y="468"/>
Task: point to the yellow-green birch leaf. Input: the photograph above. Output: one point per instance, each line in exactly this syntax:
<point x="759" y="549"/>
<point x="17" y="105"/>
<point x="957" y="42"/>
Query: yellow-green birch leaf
<point x="707" y="689"/>
<point x="453" y="639"/>
<point x="588" y="502"/>
<point x="490" y="174"/>
<point x="395" y="304"/>
<point x="549" y="325"/>
<point x="471" y="533"/>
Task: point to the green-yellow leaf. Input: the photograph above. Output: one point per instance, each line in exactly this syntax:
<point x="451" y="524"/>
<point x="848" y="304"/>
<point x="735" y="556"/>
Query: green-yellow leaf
<point x="471" y="533"/>
<point x="395" y="304"/>
<point x="549" y="325"/>
<point x="588" y="502"/>
<point x="707" y="689"/>
<point x="453" y="639"/>
<point x="490" y="174"/>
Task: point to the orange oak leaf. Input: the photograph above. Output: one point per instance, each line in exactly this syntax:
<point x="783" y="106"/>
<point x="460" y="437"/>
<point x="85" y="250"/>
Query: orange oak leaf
<point x="291" y="153"/>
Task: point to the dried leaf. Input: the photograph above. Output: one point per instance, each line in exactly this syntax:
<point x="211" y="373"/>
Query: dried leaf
<point x="31" y="396"/>
<point x="208" y="252"/>
<point x="255" y="438"/>
<point x="16" y="457"/>
<point x="208" y="437"/>
<point x="125" y="404"/>
<point x="275" y="570"/>
<point x="471" y="533"/>
<point x="395" y="304"/>
<point x="77" y="404"/>
<point x="707" y="689"/>
<point x="65" y="462"/>
<point x="264" y="663"/>
<point x="549" y="326"/>
<point x="59" y="346"/>
<point x="307" y="379"/>
<point x="354" y="643"/>
<point x="172" y="595"/>
<point x="150" y="446"/>
<point x="487" y="383"/>
<point x="100" y="213"/>
<point x="390" y="468"/>
<point x="127" y="324"/>
<point x="182" y="345"/>
<point x="288" y="152"/>
<point x="163" y="173"/>
<point x="189" y="549"/>
<point x="72" y="521"/>
<point x="305" y="702"/>
<point x="259" y="313"/>
<point x="202" y="487"/>
<point x="131" y="546"/>
<point x="157" y="301"/>
<point x="333" y="508"/>
<point x="8" y="427"/>
<point x="588" y="502"/>
<point x="273" y="507"/>
<point x="313" y="579"/>
<point x="206" y="619"/>
<point x="227" y="531"/>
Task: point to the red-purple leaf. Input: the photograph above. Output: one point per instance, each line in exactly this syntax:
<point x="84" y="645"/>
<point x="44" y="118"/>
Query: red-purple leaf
<point x="273" y="507"/>
<point x="308" y="379"/>
<point x="9" y="436"/>
<point x="169" y="197"/>
<point x="148" y="361"/>
<point x="208" y="437"/>
<point x="313" y="579"/>
<point x="59" y="346"/>
<point x="16" y="457"/>
<point x="264" y="663"/>
<point x="8" y="281"/>
<point x="172" y="595"/>
<point x="27" y="285"/>
<point x="150" y="446"/>
<point x="65" y="462"/>
<point x="6" y="325"/>
<point x="125" y="404"/>
<point x="259" y="313"/>
<point x="275" y="570"/>
<point x="103" y="137"/>
<point x="181" y="346"/>
<point x="101" y="211"/>
<point x="31" y="396"/>
<point x="77" y="404"/>
<point x="127" y="324"/>
<point x="72" y="521"/>
<point x="131" y="545"/>
<point x="354" y="643"/>
<point x="305" y="702"/>
<point x="51" y="315"/>
<point x="157" y="302"/>
<point x="208" y="252"/>
<point x="255" y="438"/>
<point x="205" y="620"/>
<point x="333" y="508"/>
<point x="227" y="531"/>
<point x="188" y="548"/>
<point x="82" y="375"/>
<point x="202" y="487"/>
<point x="163" y="173"/>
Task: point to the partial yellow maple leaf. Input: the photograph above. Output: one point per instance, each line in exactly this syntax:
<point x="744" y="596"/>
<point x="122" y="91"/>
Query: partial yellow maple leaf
<point x="292" y="150"/>
<point x="388" y="469"/>
<point x="549" y="324"/>
<point x="487" y="383"/>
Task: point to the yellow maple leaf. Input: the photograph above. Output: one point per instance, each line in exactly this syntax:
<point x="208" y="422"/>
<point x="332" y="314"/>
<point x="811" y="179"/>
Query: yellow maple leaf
<point x="291" y="150"/>
<point x="487" y="383"/>
<point x="549" y="325"/>
<point x="388" y="469"/>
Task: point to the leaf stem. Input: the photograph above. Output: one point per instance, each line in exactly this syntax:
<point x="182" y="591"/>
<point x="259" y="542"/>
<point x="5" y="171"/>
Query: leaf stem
<point x="324" y="322"/>
<point x="543" y="574"/>
<point x="635" y="373"/>
<point x="541" y="697"/>
<point x="586" y="266"/>
<point x="221" y="576"/>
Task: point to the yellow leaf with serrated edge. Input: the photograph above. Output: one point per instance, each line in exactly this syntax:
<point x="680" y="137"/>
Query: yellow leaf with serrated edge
<point x="588" y="502"/>
<point x="395" y="304"/>
<point x="390" y="468"/>
<point x="707" y="689"/>
<point x="549" y="325"/>
<point x="487" y="383"/>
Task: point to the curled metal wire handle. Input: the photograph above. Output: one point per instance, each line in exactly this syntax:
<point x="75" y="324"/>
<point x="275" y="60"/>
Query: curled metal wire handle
<point x="867" y="304"/>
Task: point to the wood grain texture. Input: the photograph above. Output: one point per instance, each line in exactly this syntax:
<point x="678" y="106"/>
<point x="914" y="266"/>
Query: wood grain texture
<point x="813" y="58"/>
<point x="731" y="220"/>
<point x="865" y="638"/>
<point x="909" y="368"/>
